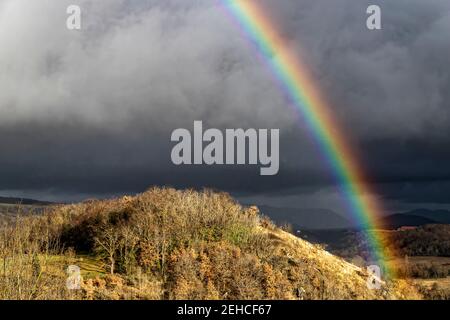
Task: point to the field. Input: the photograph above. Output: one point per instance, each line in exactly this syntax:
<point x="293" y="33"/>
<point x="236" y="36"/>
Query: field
<point x="442" y="261"/>
<point x="11" y="210"/>
<point x="443" y="283"/>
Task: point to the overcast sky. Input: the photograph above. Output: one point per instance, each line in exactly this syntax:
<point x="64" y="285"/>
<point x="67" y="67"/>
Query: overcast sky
<point x="89" y="113"/>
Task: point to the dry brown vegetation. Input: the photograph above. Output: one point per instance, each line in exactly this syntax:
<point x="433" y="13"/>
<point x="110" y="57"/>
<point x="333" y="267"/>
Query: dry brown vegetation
<point x="434" y="289"/>
<point x="169" y="244"/>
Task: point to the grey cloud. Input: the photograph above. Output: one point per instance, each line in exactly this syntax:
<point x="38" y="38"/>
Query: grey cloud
<point x="165" y="64"/>
<point x="91" y="112"/>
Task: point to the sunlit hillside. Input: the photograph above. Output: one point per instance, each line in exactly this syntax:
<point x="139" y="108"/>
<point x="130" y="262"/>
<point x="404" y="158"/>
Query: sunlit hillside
<point x="169" y="244"/>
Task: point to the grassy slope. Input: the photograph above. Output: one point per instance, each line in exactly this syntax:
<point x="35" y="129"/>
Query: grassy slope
<point x="351" y="279"/>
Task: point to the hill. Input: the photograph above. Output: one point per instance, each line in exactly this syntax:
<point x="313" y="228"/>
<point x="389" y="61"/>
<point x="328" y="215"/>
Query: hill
<point x="306" y="218"/>
<point x="22" y="201"/>
<point x="428" y="240"/>
<point x="439" y="216"/>
<point x="169" y="244"/>
<point x="415" y="218"/>
<point x="398" y="220"/>
<point x="12" y="206"/>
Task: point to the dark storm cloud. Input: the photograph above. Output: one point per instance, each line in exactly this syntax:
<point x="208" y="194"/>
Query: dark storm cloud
<point x="412" y="170"/>
<point x="91" y="112"/>
<point x="74" y="156"/>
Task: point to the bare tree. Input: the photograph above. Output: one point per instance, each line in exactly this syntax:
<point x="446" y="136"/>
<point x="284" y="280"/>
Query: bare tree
<point x="109" y="243"/>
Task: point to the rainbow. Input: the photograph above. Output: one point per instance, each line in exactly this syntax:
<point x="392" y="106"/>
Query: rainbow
<point x="294" y="77"/>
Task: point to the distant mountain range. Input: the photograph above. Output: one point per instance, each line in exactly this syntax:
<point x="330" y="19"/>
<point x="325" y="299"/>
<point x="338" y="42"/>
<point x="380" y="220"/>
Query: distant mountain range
<point x="23" y="201"/>
<point x="440" y="216"/>
<point x="306" y="218"/>
<point x="324" y="219"/>
<point x="398" y="220"/>
<point x="415" y="218"/>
